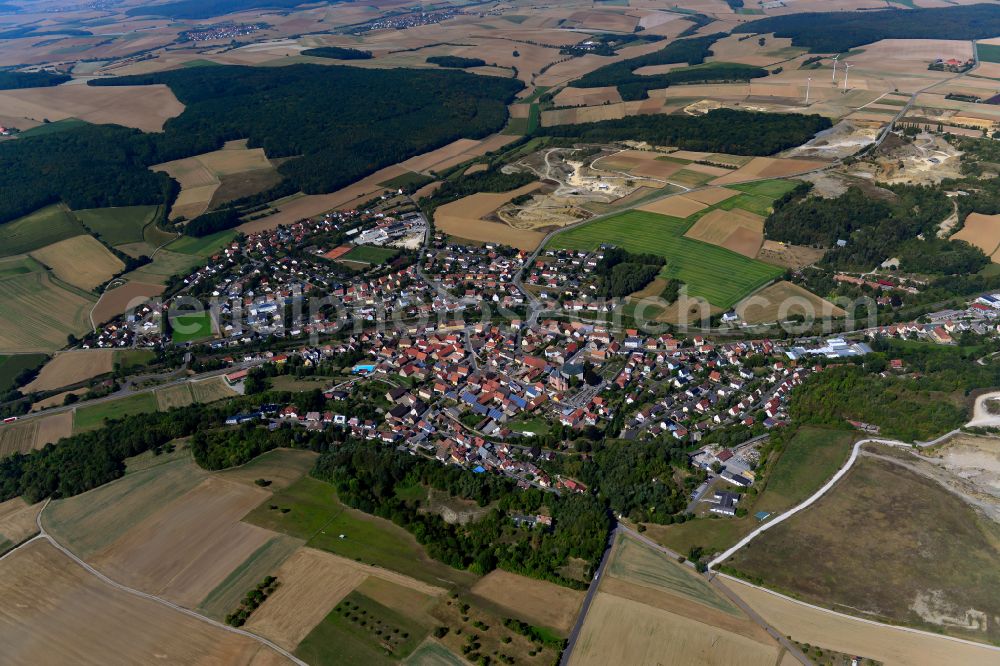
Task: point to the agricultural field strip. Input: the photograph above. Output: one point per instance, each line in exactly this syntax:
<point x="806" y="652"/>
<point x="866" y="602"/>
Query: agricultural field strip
<point x="42" y="534"/>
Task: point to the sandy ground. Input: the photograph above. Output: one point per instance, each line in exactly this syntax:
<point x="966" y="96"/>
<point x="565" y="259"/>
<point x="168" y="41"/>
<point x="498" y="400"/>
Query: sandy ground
<point x="312" y="582"/>
<point x="54" y="612"/>
<point x="980" y="415"/>
<point x="891" y="645"/>
<point x="17" y="519"/>
<point x="71" y="367"/>
<point x="121" y="299"/>
<point x="142" y="107"/>
<point x="535" y="601"/>
<point x="184" y="550"/>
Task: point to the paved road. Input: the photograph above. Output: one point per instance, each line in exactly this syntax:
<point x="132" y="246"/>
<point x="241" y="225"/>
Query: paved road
<point x="45" y="536"/>
<point x="589" y="599"/>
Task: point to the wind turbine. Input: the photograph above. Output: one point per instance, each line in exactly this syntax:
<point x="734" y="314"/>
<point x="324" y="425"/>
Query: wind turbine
<point x="847" y="73"/>
<point x="834" y="79"/>
<point x="808" y="84"/>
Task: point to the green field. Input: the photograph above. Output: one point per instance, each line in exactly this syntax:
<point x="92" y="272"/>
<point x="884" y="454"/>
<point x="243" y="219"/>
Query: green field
<point x="318" y="517"/>
<point x="988" y="52"/>
<point x="359" y="630"/>
<point x="131" y="358"/>
<point x="11" y="366"/>
<point x="117" y="226"/>
<point x="370" y="254"/>
<point x="262" y="562"/>
<point x="887" y="544"/>
<point x="718" y="275"/>
<point x="203" y="247"/>
<point x="408" y="180"/>
<point x="524" y="126"/>
<point x="809" y="460"/>
<point x="165" y="264"/>
<point x="191" y="327"/>
<point x="753" y="203"/>
<point x="767" y="188"/>
<point x="52" y="128"/>
<point x="43" y="227"/>
<point x="92" y="417"/>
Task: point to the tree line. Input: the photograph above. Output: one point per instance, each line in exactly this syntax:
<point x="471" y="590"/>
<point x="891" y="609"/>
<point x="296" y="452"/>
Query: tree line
<point x="17" y="80"/>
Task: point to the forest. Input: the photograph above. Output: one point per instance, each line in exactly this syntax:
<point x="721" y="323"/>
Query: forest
<point x="202" y="9"/>
<point x="718" y="131"/>
<point x="693" y="51"/>
<point x="875" y="229"/>
<point x="336" y="124"/>
<point x="621" y="273"/>
<point x="15" y="80"/>
<point x="455" y="61"/>
<point x="338" y="53"/>
<point x="210" y="223"/>
<point x="837" y="32"/>
<point x="367" y="477"/>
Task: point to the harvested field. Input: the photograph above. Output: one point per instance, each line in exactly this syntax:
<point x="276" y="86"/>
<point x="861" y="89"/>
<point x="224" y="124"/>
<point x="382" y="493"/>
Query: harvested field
<point x="789" y="256"/>
<point x="463" y="218"/>
<point x="17" y="520"/>
<point x="868" y="564"/>
<point x="711" y="195"/>
<point x="210" y="390"/>
<point x="891" y="646"/>
<point x="18" y="437"/>
<point x="120" y="300"/>
<point x="89" y="522"/>
<point x="173" y="396"/>
<point x="983" y="231"/>
<point x="142" y="107"/>
<point x="622" y="631"/>
<point x="53" y="428"/>
<point x="782" y="300"/>
<point x="56" y="612"/>
<point x="80" y="261"/>
<point x="187" y="548"/>
<point x="57" y="400"/>
<point x="312" y="582"/>
<point x="71" y="367"/>
<point x="537" y="602"/>
<point x="37" y="313"/>
<point x="769" y="167"/>
<point x="587" y="96"/>
<point x="735" y="230"/>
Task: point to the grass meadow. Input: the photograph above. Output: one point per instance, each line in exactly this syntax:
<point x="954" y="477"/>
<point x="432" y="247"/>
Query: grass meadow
<point x="716" y="274"/>
<point x="118" y="226"/>
<point x="14" y="364"/>
<point x="43" y="227"/>
<point x="92" y="417"/>
<point x="191" y="327"/>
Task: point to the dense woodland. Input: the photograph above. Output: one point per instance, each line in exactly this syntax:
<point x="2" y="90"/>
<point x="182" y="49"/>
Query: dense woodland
<point x="693" y="51"/>
<point x="202" y="9"/>
<point x="337" y="124"/>
<point x="15" y="80"/>
<point x="621" y="273"/>
<point x="210" y="223"/>
<point x="718" y="131"/>
<point x="836" y="32"/>
<point x="455" y="61"/>
<point x="338" y="53"/>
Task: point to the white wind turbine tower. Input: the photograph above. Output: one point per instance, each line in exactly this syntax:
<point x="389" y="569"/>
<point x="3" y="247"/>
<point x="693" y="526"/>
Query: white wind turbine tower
<point x="847" y="73"/>
<point x="834" y="78"/>
<point x="808" y="84"/>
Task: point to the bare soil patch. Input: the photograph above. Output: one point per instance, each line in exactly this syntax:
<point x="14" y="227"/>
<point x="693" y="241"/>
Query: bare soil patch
<point x="537" y="602"/>
<point x="70" y="367"/>
<point x="587" y="96"/>
<point x="711" y="195"/>
<point x="57" y="613"/>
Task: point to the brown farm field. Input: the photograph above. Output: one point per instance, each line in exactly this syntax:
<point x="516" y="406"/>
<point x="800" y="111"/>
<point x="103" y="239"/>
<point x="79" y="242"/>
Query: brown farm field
<point x="119" y="300"/>
<point x="983" y="231"/>
<point x="173" y="396"/>
<point x="18" y="437"/>
<point x="142" y="107"/>
<point x="464" y="219"/>
<point x="789" y="256"/>
<point x="535" y="601"/>
<point x="769" y="167"/>
<point x="737" y="230"/>
<point x="80" y="261"/>
<point x="55" y="612"/>
<point x="53" y="428"/>
<point x="17" y="520"/>
<point x="782" y="300"/>
<point x="187" y="548"/>
<point x="210" y="390"/>
<point x="38" y="312"/>
<point x="70" y="367"/>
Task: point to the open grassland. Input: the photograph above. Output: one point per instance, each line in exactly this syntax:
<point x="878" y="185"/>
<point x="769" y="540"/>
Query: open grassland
<point x="782" y="300"/>
<point x="210" y="390"/>
<point x="622" y="631"/>
<point x="118" y="226"/>
<point x="173" y="396"/>
<point x="17" y="520"/>
<point x="280" y="467"/>
<point x="536" y="602"/>
<point x="315" y="514"/>
<point x="891" y="545"/>
<point x="80" y="261"/>
<point x="71" y="367"/>
<point x="891" y="646"/>
<point x="718" y="275"/>
<point x="205" y="246"/>
<point x="361" y="630"/>
<point x="120" y="300"/>
<point x="55" y="612"/>
<point x="189" y="546"/>
<point x="89" y="522"/>
<point x="14" y="364"/>
<point x="265" y="561"/>
<point x="432" y="653"/>
<point x="43" y="227"/>
<point x="92" y="417"/>
<point x="191" y="327"/>
<point x="37" y="313"/>
<point x="313" y="582"/>
<point x="809" y="460"/>
<point x="165" y="265"/>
